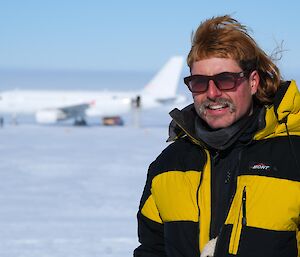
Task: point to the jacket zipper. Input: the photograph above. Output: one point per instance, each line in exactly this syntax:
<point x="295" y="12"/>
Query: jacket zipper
<point x="198" y="205"/>
<point x="239" y="223"/>
<point x="231" y="200"/>
<point x="244" y="218"/>
<point x="213" y="204"/>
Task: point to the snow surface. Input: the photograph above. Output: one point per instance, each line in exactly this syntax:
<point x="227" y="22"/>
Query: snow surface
<point x="73" y="191"/>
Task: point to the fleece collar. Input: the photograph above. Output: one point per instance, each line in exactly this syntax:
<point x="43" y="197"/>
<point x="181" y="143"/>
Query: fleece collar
<point x="221" y="139"/>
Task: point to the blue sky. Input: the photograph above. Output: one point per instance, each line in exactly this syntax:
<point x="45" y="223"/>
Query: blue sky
<point x="131" y="35"/>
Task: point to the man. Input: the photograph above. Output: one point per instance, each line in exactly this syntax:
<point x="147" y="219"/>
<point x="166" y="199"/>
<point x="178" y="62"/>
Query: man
<point x="230" y="183"/>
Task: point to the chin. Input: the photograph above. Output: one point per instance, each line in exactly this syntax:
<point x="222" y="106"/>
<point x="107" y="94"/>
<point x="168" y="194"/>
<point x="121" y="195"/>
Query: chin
<point x="219" y="124"/>
<point x="218" y="120"/>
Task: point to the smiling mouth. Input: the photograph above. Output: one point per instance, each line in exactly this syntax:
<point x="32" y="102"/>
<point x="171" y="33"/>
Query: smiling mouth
<point x="217" y="107"/>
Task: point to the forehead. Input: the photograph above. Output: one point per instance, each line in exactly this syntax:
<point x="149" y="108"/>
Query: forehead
<point x="214" y="66"/>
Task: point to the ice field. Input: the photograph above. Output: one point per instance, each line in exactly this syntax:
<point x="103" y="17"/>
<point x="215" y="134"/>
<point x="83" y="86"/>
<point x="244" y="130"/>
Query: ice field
<point x="73" y="191"/>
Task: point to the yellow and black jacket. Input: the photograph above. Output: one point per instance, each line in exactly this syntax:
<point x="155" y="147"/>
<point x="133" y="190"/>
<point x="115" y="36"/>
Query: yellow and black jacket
<point x="175" y="213"/>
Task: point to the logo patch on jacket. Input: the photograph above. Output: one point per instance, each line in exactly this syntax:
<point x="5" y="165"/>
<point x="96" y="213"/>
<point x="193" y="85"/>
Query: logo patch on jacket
<point x="260" y="166"/>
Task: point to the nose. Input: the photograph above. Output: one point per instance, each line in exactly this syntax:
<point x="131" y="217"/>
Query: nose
<point x="213" y="91"/>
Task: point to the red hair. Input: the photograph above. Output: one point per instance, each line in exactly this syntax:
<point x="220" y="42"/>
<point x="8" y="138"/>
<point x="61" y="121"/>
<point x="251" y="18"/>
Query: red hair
<point x="225" y="37"/>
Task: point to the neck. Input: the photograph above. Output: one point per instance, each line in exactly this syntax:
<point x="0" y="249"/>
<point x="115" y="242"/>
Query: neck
<point x="223" y="138"/>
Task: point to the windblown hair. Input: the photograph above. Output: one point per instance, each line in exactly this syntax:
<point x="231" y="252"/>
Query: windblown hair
<point x="225" y="37"/>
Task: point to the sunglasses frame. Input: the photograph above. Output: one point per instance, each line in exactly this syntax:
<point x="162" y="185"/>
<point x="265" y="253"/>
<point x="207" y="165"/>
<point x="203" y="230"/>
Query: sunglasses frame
<point x="235" y="75"/>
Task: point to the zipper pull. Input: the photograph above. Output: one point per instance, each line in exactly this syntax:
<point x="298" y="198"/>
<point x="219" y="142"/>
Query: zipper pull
<point x="244" y="218"/>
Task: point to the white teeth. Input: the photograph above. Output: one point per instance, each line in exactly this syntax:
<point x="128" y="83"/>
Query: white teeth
<point x="216" y="107"/>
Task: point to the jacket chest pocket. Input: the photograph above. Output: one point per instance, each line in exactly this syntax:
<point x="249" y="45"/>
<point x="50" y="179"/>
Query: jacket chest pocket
<point x="263" y="206"/>
<point x="238" y="218"/>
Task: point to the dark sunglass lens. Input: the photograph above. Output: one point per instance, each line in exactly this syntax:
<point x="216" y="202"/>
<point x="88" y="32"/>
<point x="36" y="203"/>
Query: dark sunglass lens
<point x="225" y="81"/>
<point x="198" y="84"/>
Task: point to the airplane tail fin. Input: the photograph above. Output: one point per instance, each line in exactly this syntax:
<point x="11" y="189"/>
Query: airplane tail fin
<point x="165" y="83"/>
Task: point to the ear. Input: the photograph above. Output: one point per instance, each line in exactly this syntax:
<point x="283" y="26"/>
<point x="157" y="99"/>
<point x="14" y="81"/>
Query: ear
<point x="254" y="81"/>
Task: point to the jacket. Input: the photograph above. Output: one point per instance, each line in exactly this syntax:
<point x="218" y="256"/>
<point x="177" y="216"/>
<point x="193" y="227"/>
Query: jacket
<point x="174" y="217"/>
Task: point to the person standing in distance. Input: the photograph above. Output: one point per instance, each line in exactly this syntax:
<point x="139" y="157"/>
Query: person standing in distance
<point x="229" y="184"/>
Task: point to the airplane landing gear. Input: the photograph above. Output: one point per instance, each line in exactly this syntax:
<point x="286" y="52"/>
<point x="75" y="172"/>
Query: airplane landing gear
<point x="80" y="122"/>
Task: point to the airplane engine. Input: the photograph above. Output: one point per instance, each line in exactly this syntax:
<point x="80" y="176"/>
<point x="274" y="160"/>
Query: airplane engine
<point x="50" y="116"/>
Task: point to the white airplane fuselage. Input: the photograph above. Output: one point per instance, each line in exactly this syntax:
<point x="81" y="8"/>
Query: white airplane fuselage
<point x="100" y="103"/>
<point x="50" y="106"/>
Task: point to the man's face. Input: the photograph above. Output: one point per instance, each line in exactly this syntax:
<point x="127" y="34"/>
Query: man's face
<point x="220" y="109"/>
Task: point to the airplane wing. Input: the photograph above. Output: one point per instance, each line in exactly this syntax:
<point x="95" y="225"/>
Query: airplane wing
<point x="53" y="115"/>
<point x="75" y="110"/>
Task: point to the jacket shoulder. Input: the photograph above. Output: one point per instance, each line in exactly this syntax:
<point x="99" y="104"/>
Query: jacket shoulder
<point x="181" y="155"/>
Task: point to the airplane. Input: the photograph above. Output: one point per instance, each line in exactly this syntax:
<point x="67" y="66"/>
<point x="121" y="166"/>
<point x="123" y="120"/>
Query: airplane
<point x="51" y="106"/>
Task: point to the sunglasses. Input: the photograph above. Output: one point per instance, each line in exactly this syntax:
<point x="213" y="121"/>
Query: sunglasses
<point x="223" y="81"/>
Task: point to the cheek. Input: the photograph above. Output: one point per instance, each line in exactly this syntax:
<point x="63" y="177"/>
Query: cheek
<point x="243" y="103"/>
<point x="195" y="96"/>
<point x="197" y="100"/>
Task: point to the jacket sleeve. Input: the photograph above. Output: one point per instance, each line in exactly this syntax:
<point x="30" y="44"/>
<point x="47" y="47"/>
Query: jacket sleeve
<point x="150" y="225"/>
